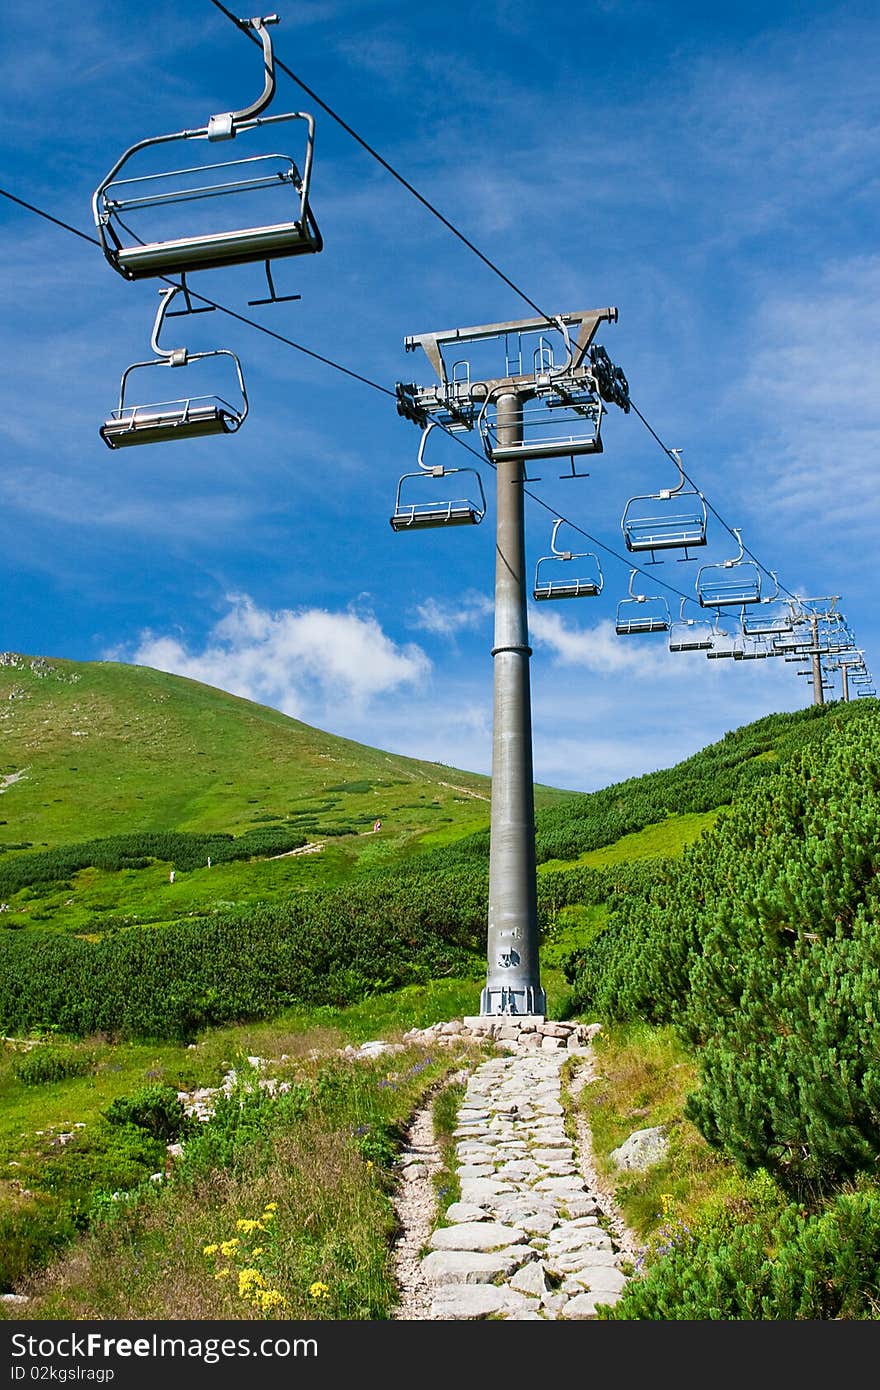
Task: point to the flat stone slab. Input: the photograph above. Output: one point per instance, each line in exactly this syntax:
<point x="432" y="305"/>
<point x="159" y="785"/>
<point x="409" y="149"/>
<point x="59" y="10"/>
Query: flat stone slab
<point x="464" y="1301"/>
<point x="578" y="1260"/>
<point x="476" y="1235"/>
<point x="479" y="1190"/>
<point x="465" y="1211"/>
<point x="584" y="1305"/>
<point x="565" y="1185"/>
<point x="578" y="1205"/>
<point x="589" y="1237"/>
<point x="531" y="1279"/>
<point x="473" y="1266"/>
<point x="604" y="1280"/>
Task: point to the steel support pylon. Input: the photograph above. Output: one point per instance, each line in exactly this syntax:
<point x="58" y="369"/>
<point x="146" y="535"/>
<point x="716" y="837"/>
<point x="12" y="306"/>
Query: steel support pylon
<point x="513" y="984"/>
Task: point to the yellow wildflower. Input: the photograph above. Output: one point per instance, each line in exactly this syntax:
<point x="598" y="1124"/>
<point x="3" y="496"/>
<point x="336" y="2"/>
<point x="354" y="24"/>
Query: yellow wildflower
<point x="319" y="1290"/>
<point x="229" y="1247"/>
<point x="248" y="1280"/>
<point x="266" y="1299"/>
<point x="666" y="1201"/>
<point x="247" y="1226"/>
<point x="271" y="1206"/>
<point x="210" y="1249"/>
<point x="258" y="1250"/>
<point x="222" y="1273"/>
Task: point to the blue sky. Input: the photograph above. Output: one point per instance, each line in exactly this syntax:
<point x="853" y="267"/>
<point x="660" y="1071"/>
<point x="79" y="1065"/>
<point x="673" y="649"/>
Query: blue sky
<point x="710" y="171"/>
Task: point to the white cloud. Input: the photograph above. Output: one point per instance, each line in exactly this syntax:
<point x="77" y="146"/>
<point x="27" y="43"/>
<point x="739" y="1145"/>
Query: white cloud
<point x="813" y="386"/>
<point x="310" y="663"/>
<point x="600" y="649"/>
<point x="446" y="619"/>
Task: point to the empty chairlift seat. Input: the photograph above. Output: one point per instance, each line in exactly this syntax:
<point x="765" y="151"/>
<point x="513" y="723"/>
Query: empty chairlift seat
<point x="641" y="612"/>
<point x="559" y="424"/>
<point x="731" y="582"/>
<point x="426" y="511"/>
<point x="690" y="634"/>
<point x="564" y="574"/>
<point x="175" y="242"/>
<point x="671" y="519"/>
<point x="187" y="417"/>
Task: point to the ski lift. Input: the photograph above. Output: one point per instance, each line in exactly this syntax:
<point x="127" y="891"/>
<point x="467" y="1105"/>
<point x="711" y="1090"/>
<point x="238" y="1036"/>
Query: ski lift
<point x="660" y="527"/>
<point x="753" y="647"/>
<point x="562" y="420"/>
<point x="774" y="617"/>
<point x="419" y="515"/>
<point x="690" y="634"/>
<point x="724" y="644"/>
<point x="866" y="690"/>
<point x="186" y="418"/>
<point x="735" y="581"/>
<point x="115" y="198"/>
<point x="573" y="585"/>
<point x="651" y="613"/>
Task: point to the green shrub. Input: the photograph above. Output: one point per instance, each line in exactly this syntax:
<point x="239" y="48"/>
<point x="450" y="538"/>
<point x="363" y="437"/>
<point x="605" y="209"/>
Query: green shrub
<point x="820" y="1267"/>
<point x="52" y="1063"/>
<point x="156" y="1109"/>
<point x="30" y="1237"/>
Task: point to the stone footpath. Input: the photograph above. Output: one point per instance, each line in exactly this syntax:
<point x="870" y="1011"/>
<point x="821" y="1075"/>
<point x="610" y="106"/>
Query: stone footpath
<point x="527" y="1240"/>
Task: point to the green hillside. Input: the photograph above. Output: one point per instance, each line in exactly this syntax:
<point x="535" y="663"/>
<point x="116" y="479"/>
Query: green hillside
<point x="95" y="750"/>
<point x="99" y="747"/>
<point x="718" y="917"/>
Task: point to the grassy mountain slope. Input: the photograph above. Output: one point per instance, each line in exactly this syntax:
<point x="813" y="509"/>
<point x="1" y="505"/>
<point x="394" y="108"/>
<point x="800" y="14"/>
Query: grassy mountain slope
<point x="99" y="747"/>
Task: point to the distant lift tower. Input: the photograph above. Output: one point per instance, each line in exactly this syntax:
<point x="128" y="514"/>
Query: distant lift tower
<point x="547" y="406"/>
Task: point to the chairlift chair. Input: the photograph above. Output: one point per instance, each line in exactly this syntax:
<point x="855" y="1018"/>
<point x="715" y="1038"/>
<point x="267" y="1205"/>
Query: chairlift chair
<point x="773" y="617"/>
<point x="650" y="614"/>
<point x="548" y="583"/>
<point x="189" y="417"/>
<point x="736" y="581"/>
<point x="724" y="644"/>
<point x="752" y="649"/>
<point x="690" y="634"/>
<point x="666" y="520"/>
<point x="435" y="512"/>
<point x="116" y="198"/>
<point x="562" y="420"/>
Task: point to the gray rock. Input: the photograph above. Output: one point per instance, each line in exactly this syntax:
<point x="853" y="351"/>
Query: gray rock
<point x="476" y="1235"/>
<point x="642" y="1149"/>
<point x="473" y="1266"/>
<point x="465" y="1211"/>
<point x="467" y="1301"/>
<point x="573" y="1261"/>
<point x="531" y="1279"/>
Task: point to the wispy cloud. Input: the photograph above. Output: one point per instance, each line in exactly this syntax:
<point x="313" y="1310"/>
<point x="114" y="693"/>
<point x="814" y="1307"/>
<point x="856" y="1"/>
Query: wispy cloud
<point x="812" y="388"/>
<point x="447" y="619"/>
<point x="600" y="649"/>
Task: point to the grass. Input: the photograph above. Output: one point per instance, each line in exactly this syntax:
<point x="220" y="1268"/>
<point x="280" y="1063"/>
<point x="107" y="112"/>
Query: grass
<point x="665" y="838"/>
<point x="645" y="1075"/>
<point x="294" y="1221"/>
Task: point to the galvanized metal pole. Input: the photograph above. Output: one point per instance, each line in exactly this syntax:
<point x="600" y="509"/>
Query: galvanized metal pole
<point x="513" y="983"/>
<point x="818" y="692"/>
